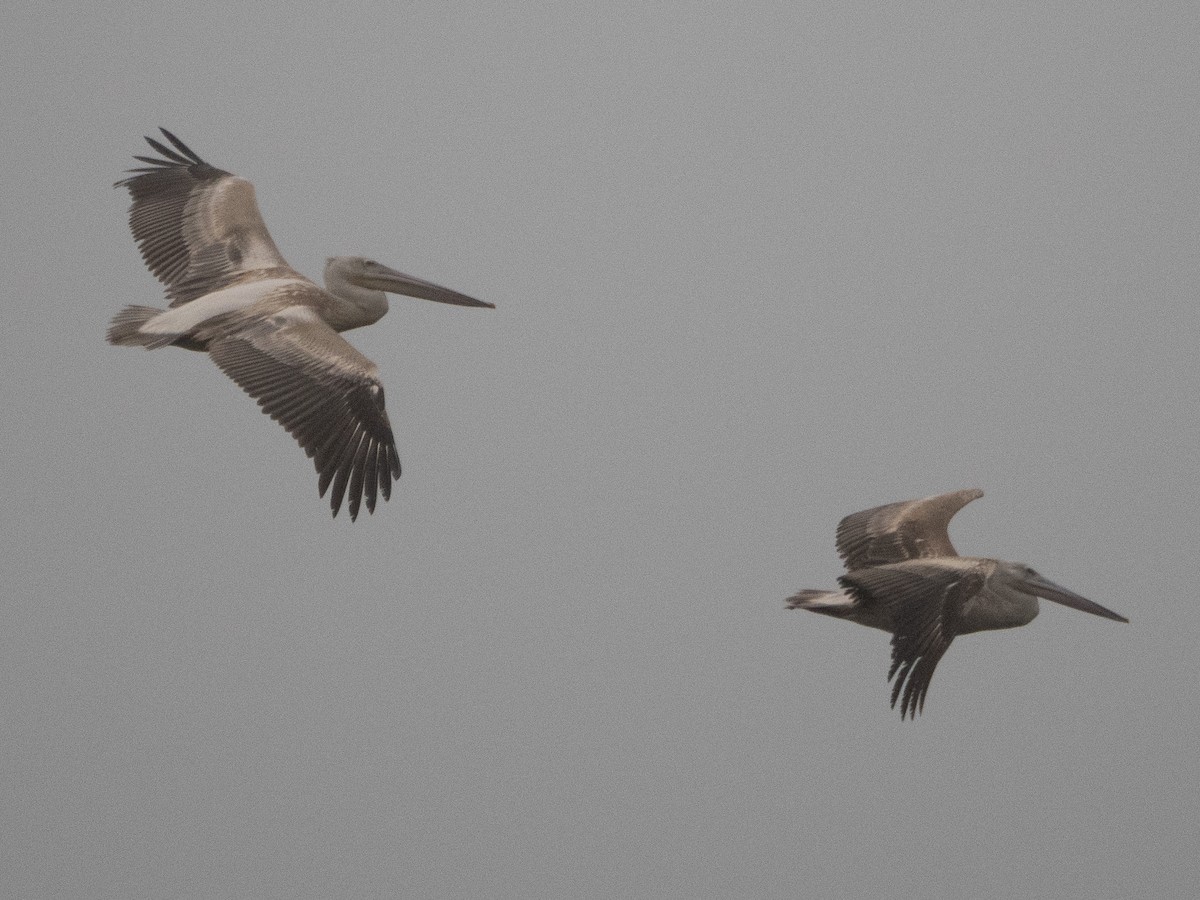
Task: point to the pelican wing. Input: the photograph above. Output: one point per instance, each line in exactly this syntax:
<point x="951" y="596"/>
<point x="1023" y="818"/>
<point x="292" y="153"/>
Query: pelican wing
<point x="912" y="529"/>
<point x="198" y="227"/>
<point x="327" y="395"/>
<point x="926" y="602"/>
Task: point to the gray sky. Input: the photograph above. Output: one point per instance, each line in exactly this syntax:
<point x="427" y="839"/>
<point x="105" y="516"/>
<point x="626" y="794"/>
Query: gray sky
<point x="757" y="266"/>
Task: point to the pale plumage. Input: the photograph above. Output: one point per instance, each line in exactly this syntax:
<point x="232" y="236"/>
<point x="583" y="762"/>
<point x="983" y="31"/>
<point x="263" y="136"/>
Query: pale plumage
<point x="905" y="577"/>
<point x="270" y="329"/>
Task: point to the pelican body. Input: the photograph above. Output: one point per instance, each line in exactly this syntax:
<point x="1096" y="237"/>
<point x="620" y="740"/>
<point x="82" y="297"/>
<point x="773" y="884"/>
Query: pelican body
<point x="904" y="576"/>
<point x="273" y="331"/>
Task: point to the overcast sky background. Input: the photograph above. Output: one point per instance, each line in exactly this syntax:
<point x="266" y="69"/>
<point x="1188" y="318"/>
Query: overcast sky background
<point x="757" y="266"/>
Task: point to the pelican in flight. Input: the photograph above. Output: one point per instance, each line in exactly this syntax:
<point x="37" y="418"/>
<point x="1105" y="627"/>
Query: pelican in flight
<point x="270" y="329"/>
<point x="904" y="576"/>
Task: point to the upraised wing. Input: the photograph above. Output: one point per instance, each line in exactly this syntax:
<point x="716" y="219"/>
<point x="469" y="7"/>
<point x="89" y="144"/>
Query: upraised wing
<point x="911" y="529"/>
<point x="327" y="395"/>
<point x="198" y="228"/>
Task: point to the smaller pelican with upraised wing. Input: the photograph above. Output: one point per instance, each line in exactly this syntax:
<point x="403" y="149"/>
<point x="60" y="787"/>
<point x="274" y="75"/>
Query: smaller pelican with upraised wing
<point x="904" y="576"/>
<point x="270" y="329"/>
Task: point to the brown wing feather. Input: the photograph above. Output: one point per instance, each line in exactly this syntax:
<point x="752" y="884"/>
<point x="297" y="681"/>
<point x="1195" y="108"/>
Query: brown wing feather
<point x="198" y="227"/>
<point x="911" y="529"/>
<point x="926" y="604"/>
<point x="326" y="394"/>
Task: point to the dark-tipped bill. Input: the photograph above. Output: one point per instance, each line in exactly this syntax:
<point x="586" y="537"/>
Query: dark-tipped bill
<point x="385" y="279"/>
<point x="1047" y="589"/>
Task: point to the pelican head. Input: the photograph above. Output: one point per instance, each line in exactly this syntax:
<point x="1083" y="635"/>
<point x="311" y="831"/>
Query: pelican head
<point x="1027" y="581"/>
<point x="363" y="272"/>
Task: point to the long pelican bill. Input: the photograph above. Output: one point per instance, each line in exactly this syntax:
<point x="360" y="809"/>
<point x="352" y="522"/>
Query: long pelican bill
<point x="382" y="278"/>
<point x="1048" y="590"/>
<point x="270" y="329"/>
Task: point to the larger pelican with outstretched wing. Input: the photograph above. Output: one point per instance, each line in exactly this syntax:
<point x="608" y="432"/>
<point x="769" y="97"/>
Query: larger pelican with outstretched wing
<point x="904" y="576"/>
<point x="270" y="329"/>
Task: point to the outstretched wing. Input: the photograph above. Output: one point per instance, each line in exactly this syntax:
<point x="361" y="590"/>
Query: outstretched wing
<point x="926" y="603"/>
<point x="327" y="395"/>
<point x="198" y="227"/>
<point x="912" y="529"/>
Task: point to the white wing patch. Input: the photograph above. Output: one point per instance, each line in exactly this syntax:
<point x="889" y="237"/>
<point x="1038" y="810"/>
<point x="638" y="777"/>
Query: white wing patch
<point x="183" y="319"/>
<point x="296" y="315"/>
